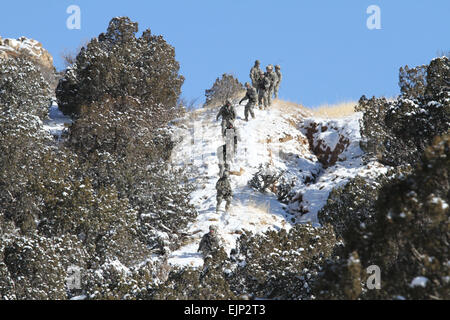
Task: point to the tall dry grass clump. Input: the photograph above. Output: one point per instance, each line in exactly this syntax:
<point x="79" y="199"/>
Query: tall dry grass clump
<point x="338" y="110"/>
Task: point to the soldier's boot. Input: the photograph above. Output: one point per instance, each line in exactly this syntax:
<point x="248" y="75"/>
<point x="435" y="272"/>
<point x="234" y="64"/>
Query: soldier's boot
<point x="260" y="101"/>
<point x="227" y="206"/>
<point x="219" y="202"/>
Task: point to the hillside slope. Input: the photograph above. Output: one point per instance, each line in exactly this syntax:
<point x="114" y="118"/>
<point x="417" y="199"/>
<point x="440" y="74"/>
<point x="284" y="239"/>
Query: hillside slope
<point x="316" y="155"/>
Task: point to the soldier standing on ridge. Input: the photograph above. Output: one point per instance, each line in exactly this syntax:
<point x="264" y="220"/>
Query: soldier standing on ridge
<point x="228" y="114"/>
<point x="254" y="74"/>
<point x="263" y="90"/>
<point x="224" y="191"/>
<point x="280" y="77"/>
<point x="273" y="78"/>
<point x="210" y="242"/>
<point x="252" y="97"/>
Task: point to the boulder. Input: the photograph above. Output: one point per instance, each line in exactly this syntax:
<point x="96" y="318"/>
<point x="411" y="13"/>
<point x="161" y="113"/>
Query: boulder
<point x="26" y="48"/>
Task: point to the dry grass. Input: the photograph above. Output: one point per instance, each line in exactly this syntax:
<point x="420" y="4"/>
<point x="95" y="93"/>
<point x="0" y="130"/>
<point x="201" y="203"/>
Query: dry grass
<point x="338" y="110"/>
<point x="291" y="108"/>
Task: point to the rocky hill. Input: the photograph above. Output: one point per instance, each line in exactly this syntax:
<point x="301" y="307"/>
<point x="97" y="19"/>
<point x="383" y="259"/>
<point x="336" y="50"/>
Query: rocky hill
<point x="31" y="50"/>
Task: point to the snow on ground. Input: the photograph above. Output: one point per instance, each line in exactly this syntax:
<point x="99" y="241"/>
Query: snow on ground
<point x="350" y="163"/>
<point x="57" y="122"/>
<point x="274" y="137"/>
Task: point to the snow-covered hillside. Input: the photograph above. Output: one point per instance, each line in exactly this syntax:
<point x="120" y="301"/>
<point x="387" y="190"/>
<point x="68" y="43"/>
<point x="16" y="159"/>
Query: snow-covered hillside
<point x="57" y="122"/>
<point x="279" y="138"/>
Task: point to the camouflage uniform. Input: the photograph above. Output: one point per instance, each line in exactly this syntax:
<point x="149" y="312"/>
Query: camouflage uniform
<point x="228" y="114"/>
<point x="263" y="86"/>
<point x="224" y="191"/>
<point x="232" y="137"/>
<point x="210" y="242"/>
<point x="280" y="77"/>
<point x="273" y="81"/>
<point x="252" y="97"/>
<point x="254" y="74"/>
<point x="223" y="165"/>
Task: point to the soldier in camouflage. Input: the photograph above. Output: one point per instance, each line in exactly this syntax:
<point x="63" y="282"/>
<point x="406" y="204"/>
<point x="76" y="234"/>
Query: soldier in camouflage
<point x="252" y="97"/>
<point x="232" y="136"/>
<point x="228" y="114"/>
<point x="273" y="78"/>
<point x="263" y="90"/>
<point x="223" y="165"/>
<point x="224" y="191"/>
<point x="280" y="77"/>
<point x="210" y="242"/>
<point x="254" y="74"/>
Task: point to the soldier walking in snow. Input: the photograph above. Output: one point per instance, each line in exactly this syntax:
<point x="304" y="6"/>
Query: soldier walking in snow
<point x="273" y="78"/>
<point x="280" y="77"/>
<point x="224" y="191"/>
<point x="232" y="136"/>
<point x="252" y="97"/>
<point x="228" y="113"/>
<point x="210" y="242"/>
<point x="255" y="74"/>
<point x="263" y="90"/>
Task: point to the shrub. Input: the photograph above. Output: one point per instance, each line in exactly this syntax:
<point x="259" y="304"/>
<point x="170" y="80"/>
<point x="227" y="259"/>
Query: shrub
<point x="193" y="284"/>
<point x="397" y="132"/>
<point x="120" y="146"/>
<point x="118" y="64"/>
<point x="280" y="265"/>
<point x="36" y="267"/>
<point x="406" y="237"/>
<point x="23" y="143"/>
<point x="23" y="88"/>
<point x="266" y="178"/>
<point x="412" y="81"/>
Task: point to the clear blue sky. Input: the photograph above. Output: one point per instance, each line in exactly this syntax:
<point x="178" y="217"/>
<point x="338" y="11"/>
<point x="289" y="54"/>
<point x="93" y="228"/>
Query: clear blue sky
<point x="326" y="51"/>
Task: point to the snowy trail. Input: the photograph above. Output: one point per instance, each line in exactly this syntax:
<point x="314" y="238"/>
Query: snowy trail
<point x="251" y="210"/>
<point x="276" y="137"/>
<point x="57" y="122"/>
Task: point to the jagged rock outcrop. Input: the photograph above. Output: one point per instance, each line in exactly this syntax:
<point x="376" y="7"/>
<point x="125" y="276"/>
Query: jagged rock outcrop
<point x="25" y="47"/>
<point x="31" y="50"/>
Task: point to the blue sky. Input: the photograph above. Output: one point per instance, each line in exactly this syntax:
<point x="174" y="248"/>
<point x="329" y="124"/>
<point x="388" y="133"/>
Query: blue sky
<point x="326" y="51"/>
